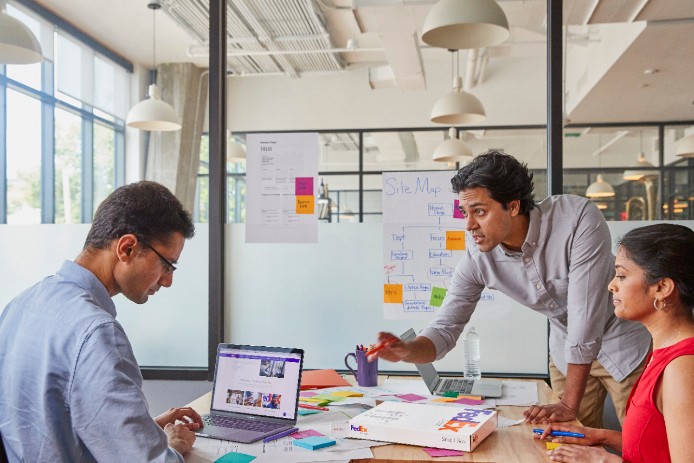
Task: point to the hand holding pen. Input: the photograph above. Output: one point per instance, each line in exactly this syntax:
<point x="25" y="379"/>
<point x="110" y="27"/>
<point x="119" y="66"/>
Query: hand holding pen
<point x="384" y="340"/>
<point x="570" y="434"/>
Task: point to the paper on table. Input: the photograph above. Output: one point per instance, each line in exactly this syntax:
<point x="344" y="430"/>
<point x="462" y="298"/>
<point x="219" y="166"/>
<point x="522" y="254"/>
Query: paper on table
<point x="521" y="393"/>
<point x="405" y="386"/>
<point x="503" y="422"/>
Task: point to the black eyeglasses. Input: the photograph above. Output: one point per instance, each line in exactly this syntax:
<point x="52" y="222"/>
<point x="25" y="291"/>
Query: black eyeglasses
<point x="170" y="268"/>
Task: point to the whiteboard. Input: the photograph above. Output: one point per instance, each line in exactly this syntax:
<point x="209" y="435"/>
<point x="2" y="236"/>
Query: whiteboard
<point x="327" y="297"/>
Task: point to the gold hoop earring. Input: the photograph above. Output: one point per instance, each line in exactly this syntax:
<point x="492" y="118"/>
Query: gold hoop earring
<point x="655" y="304"/>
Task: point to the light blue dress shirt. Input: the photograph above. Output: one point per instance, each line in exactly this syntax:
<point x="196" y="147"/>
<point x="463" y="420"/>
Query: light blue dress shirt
<point x="70" y="387"/>
<point x="561" y="271"/>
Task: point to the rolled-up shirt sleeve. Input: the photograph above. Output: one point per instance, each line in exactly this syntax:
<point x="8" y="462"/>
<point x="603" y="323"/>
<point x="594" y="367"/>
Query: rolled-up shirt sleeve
<point x="587" y="298"/>
<point x="461" y="299"/>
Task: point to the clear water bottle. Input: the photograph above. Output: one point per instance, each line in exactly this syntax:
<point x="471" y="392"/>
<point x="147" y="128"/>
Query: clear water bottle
<point x="471" y="345"/>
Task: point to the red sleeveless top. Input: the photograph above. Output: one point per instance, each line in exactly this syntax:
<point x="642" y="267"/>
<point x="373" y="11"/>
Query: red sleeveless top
<point x="643" y="434"/>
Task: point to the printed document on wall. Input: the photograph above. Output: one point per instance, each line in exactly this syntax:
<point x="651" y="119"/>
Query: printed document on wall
<point x="281" y="172"/>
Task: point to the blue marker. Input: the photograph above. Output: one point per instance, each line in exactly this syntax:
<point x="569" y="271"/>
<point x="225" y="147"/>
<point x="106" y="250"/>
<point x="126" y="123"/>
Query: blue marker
<point x="560" y="433"/>
<point x="280" y="435"/>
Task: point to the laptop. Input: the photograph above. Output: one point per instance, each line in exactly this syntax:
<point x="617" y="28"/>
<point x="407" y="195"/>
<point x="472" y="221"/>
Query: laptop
<point x="255" y="392"/>
<point x="438" y="385"/>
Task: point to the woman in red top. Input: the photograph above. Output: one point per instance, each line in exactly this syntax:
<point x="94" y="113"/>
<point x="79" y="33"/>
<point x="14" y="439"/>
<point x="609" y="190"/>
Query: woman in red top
<point x="654" y="285"/>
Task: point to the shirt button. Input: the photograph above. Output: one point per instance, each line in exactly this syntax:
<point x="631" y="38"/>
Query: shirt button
<point x="538" y="286"/>
<point x="527" y="259"/>
<point x="551" y="305"/>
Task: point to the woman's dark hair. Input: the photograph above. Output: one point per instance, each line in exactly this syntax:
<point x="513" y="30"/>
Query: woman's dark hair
<point x="146" y="209"/>
<point x="664" y="250"/>
<point x="504" y="177"/>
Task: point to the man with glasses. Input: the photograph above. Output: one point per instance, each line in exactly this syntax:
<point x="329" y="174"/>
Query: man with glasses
<point x="70" y="388"/>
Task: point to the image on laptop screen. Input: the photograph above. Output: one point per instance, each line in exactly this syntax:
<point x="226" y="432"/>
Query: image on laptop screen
<point x="258" y="382"/>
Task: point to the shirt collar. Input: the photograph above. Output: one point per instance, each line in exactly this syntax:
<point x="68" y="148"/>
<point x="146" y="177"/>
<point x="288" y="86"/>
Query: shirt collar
<point x="533" y="235"/>
<point x="85" y="279"/>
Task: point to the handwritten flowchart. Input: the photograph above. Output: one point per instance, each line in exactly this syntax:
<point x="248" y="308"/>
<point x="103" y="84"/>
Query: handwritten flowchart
<point x="423" y="239"/>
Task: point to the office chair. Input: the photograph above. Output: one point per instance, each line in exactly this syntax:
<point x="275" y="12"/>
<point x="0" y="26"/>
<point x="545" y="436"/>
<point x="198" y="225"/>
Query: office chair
<point x="3" y="455"/>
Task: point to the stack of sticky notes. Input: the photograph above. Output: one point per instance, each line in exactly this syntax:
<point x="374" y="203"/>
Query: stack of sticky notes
<point x="314" y="442"/>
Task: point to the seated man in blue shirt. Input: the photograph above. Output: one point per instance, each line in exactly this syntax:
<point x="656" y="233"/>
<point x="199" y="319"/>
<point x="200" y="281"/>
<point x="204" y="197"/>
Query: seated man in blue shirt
<point x="70" y="388"/>
<point x="554" y="257"/>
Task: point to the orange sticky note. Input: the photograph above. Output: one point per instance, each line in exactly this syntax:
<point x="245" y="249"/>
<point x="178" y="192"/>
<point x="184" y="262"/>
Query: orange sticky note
<point x="392" y="294"/>
<point x="304" y="205"/>
<point x="455" y="240"/>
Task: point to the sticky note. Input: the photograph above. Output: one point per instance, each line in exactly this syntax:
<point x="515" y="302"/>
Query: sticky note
<point x="552" y="445"/>
<point x="235" y="457"/>
<point x="437" y="295"/>
<point x="303" y="186"/>
<point x="410" y="397"/>
<point x="450" y="394"/>
<point x="307" y="393"/>
<point x="442" y="452"/>
<point x="455" y="240"/>
<point x="306" y="411"/>
<point x="314" y="442"/>
<point x="392" y="294"/>
<point x="306" y="433"/>
<point x="456" y="210"/>
<point x="466" y="401"/>
<point x="304" y="204"/>
<point x="348" y="394"/>
<point x="445" y="399"/>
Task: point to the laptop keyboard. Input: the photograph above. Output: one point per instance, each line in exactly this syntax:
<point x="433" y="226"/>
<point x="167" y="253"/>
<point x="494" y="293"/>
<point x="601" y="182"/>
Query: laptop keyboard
<point x="461" y="386"/>
<point x="238" y="423"/>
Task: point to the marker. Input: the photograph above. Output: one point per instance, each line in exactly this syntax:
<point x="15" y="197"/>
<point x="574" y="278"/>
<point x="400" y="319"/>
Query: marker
<point x="281" y="434"/>
<point x="370" y="352"/>
<point x="313" y="407"/>
<point x="560" y="433"/>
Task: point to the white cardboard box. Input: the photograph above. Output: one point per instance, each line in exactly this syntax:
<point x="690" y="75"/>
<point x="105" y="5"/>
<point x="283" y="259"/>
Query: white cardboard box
<point x="443" y="427"/>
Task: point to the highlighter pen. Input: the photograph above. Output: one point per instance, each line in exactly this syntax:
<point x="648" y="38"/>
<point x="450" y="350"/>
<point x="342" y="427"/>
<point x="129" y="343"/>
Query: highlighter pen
<point x="560" y="433"/>
<point x="370" y="352"/>
<point x="280" y="435"/>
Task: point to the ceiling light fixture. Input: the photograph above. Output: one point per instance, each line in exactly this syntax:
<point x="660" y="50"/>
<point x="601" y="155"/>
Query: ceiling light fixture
<point x="458" y="106"/>
<point x="452" y="150"/>
<point x="18" y="45"/>
<point x="153" y="113"/>
<point x="457" y="24"/>
<point x="352" y="42"/>
<point x="235" y="151"/>
<point x="600" y="189"/>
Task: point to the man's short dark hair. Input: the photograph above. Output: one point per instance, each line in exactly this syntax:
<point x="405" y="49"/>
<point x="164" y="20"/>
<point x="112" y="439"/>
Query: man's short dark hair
<point x="502" y="175"/>
<point x="146" y="209"/>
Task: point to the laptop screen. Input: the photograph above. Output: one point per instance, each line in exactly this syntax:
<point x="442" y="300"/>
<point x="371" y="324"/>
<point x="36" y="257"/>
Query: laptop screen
<point x="260" y="381"/>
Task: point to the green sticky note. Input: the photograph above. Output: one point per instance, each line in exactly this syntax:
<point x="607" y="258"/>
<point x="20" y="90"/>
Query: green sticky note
<point x="307" y="411"/>
<point x="437" y="295"/>
<point x="235" y="457"/>
<point x="450" y="394"/>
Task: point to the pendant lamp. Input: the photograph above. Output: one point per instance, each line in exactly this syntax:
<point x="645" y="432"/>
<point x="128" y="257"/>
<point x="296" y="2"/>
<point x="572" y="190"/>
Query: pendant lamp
<point x="153" y="113"/>
<point x="633" y="174"/>
<point x="452" y="149"/>
<point x="18" y="45"/>
<point x="684" y="147"/>
<point x="600" y="189"/>
<point x="458" y="106"/>
<point x="458" y="24"/>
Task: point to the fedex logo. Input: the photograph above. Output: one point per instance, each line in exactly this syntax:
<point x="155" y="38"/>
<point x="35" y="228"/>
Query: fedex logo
<point x="463" y="419"/>
<point x="359" y="428"/>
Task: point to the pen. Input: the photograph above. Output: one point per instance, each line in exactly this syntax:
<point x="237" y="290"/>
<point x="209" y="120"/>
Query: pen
<point x="560" y="433"/>
<point x="280" y="434"/>
<point x="370" y="352"/>
<point x="313" y="407"/>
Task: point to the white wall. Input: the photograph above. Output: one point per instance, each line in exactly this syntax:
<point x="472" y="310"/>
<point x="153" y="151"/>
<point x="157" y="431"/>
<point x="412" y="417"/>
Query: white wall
<point x="346" y="101"/>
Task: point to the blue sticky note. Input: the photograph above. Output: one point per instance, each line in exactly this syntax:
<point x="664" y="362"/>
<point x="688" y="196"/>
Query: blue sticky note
<point x="314" y="442"/>
<point x="306" y="411"/>
<point x="235" y="457"/>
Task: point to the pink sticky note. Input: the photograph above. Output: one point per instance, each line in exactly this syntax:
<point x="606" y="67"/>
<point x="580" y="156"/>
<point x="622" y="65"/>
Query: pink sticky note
<point x="410" y="397"/>
<point x="442" y="452"/>
<point x="456" y="210"/>
<point x="303" y="186"/>
<point x="307" y="394"/>
<point x="306" y="433"/>
<point x="465" y="401"/>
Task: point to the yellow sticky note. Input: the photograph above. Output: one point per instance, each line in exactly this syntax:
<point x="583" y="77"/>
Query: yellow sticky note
<point x="455" y="240"/>
<point x="445" y="399"/>
<point x="348" y="394"/>
<point x="392" y="294"/>
<point x="314" y="400"/>
<point x="304" y="204"/>
<point x="552" y="445"/>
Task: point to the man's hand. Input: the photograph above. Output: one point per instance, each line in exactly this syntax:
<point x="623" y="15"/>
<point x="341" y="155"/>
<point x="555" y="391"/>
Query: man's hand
<point x="549" y="413"/>
<point x="180" y="437"/>
<point x="186" y="416"/>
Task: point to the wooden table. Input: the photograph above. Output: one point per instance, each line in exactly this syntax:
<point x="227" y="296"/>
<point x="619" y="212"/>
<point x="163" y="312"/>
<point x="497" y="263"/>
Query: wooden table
<point x="513" y="444"/>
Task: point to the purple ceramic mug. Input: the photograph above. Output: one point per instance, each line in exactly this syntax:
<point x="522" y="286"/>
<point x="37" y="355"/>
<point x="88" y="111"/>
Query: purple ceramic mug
<point x="367" y="372"/>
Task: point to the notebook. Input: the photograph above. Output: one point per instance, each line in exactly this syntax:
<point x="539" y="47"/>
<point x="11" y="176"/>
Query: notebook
<point x="438" y="385"/>
<point x="255" y="392"/>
